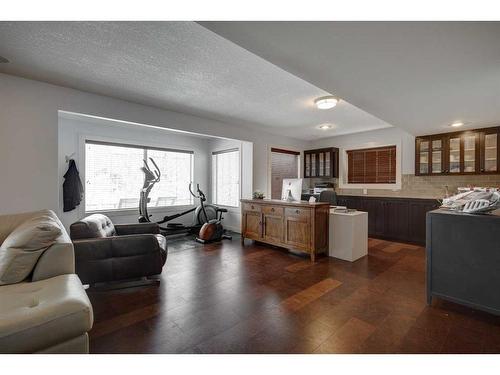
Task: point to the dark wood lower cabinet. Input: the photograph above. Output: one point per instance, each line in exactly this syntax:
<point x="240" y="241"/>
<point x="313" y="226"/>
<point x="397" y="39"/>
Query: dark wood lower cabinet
<point x="397" y="219"/>
<point x="375" y="209"/>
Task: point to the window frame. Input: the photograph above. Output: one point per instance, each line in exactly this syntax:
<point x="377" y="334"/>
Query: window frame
<point x="343" y="164"/>
<point x="84" y="139"/>
<point x="213" y="176"/>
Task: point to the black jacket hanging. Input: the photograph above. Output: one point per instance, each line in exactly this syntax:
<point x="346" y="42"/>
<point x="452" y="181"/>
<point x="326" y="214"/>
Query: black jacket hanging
<point x="72" y="188"/>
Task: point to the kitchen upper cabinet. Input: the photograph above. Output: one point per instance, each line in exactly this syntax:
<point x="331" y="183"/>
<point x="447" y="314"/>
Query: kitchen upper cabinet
<point x="454" y="155"/>
<point x="422" y="155"/>
<point x="470" y="144"/>
<point x="321" y="163"/>
<point x="489" y="151"/>
<point x="467" y="152"/>
<point x="437" y="155"/>
<point x="430" y="155"/>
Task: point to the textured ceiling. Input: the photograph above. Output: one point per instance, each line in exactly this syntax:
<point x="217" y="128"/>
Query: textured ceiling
<point x="420" y="76"/>
<point x="180" y="66"/>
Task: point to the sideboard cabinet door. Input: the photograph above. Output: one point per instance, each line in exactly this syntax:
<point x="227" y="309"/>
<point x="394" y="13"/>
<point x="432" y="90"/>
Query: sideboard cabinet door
<point x="297" y="228"/>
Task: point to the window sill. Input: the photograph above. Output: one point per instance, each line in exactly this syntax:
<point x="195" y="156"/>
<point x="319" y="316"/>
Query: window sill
<point x="135" y="211"/>
<point x="396" y="186"/>
<point x="229" y="208"/>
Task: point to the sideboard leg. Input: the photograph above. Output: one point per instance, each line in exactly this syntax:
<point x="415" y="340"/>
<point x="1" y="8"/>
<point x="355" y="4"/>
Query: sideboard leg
<point x="242" y="240"/>
<point x="313" y="257"/>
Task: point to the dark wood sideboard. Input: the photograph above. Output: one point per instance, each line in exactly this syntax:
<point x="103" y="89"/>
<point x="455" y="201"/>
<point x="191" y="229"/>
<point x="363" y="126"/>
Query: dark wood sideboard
<point x="299" y="226"/>
<point x="390" y="218"/>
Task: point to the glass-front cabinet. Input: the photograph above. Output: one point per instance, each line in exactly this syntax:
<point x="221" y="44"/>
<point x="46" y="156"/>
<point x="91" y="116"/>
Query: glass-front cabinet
<point x="470" y="149"/>
<point x="454" y="154"/>
<point x="437" y="160"/>
<point x="423" y="147"/>
<point x="321" y="162"/>
<point x="489" y="151"/>
<point x="468" y="152"/>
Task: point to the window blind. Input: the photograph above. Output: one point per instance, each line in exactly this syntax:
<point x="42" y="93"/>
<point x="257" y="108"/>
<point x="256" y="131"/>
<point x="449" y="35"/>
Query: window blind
<point x="226" y="177"/>
<point x="372" y="165"/>
<point x="113" y="176"/>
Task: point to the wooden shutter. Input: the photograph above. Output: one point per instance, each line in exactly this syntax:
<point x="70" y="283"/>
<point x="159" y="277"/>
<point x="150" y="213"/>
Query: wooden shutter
<point x="372" y="165"/>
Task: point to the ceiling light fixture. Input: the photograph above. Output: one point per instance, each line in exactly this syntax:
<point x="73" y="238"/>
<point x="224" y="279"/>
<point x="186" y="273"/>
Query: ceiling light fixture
<point x="457" y="124"/>
<point x="324" y="126"/>
<point x="326" y="102"/>
<point x="3" y="60"/>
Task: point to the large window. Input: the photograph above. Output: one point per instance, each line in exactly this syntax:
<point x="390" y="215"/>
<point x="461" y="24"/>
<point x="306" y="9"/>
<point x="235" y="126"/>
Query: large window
<point x="226" y="177"/>
<point x="372" y="165"/>
<point x="113" y="176"/>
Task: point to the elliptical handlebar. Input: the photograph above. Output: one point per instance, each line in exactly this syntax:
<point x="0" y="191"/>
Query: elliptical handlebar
<point x="150" y="177"/>
<point x="191" y="190"/>
<point x="201" y="195"/>
<point x="157" y="170"/>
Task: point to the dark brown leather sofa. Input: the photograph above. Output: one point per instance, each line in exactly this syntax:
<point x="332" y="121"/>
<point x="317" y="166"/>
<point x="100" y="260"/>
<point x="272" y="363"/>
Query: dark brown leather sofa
<point x="105" y="252"/>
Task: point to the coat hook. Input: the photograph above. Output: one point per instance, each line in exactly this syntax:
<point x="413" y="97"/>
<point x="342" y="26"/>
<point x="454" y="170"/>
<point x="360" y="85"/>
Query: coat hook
<point x="68" y="158"/>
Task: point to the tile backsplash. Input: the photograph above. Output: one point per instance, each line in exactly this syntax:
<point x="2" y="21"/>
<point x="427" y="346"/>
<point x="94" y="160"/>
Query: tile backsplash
<point x="429" y="186"/>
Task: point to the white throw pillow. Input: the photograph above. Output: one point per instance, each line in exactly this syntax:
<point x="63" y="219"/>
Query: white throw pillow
<point x="24" y="245"/>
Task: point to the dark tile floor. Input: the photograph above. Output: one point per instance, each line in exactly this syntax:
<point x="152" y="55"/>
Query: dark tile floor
<point x="226" y="298"/>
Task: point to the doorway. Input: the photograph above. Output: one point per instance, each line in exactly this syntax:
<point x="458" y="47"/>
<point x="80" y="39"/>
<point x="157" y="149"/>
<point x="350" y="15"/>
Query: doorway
<point x="284" y="164"/>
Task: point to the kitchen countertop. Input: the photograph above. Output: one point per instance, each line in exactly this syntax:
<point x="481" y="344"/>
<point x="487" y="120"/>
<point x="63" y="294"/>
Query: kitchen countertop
<point x="404" y="196"/>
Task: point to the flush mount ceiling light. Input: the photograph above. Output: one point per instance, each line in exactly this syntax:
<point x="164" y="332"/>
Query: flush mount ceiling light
<point x="324" y="126"/>
<point x="3" y="60"/>
<point x="456" y="124"/>
<point x="326" y="102"/>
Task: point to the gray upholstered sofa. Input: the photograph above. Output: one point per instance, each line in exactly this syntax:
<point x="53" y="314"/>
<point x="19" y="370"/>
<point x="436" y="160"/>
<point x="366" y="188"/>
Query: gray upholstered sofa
<point x="106" y="252"/>
<point x="49" y="311"/>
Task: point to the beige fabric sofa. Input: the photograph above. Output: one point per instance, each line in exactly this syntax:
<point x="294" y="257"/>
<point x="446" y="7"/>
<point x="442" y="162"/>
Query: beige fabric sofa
<point x="49" y="312"/>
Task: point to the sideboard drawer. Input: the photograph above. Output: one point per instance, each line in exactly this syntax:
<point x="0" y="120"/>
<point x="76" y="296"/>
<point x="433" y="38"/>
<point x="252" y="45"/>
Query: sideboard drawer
<point x="299" y="213"/>
<point x="272" y="210"/>
<point x="252" y="207"/>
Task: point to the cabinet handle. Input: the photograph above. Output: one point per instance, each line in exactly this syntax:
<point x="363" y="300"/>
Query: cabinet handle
<point x="272" y="209"/>
<point x="252" y="207"/>
<point x="296" y="211"/>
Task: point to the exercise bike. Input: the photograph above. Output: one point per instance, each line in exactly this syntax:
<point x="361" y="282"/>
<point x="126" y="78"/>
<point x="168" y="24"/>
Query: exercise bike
<point x="212" y="230"/>
<point x="203" y="213"/>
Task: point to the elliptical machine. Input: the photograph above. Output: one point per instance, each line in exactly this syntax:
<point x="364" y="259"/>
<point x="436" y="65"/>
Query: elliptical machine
<point x="150" y="179"/>
<point x="204" y="213"/>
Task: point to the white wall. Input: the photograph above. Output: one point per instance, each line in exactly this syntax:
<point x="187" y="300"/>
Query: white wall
<point x="72" y="135"/>
<point x="29" y="133"/>
<point x="378" y="137"/>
